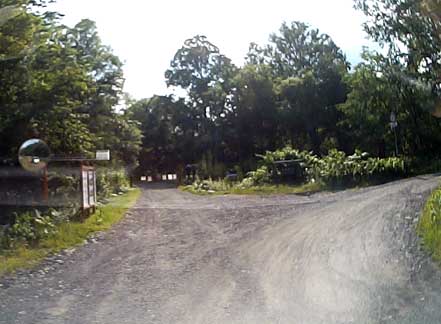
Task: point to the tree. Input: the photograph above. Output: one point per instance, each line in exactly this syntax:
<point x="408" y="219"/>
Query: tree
<point x="410" y="35"/>
<point x="253" y="124"/>
<point x="60" y="84"/>
<point x="39" y="77"/>
<point x="308" y="68"/>
<point x="168" y="133"/>
<point x="412" y="65"/>
<point x="367" y="109"/>
<point x="206" y="76"/>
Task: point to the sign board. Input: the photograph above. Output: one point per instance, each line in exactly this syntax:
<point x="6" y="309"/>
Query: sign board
<point x="85" y="187"/>
<point x="88" y="188"/>
<point x="102" y="155"/>
<point x="91" y="182"/>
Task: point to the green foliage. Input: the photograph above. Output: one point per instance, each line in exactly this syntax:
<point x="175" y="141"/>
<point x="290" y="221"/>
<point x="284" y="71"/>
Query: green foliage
<point x="368" y="107"/>
<point x="423" y="165"/>
<point x="409" y="32"/>
<point x="168" y="133"/>
<point x="222" y="188"/>
<point x="259" y="177"/>
<point x="60" y="84"/>
<point x="67" y="234"/>
<point x="111" y="181"/>
<point x="210" y="185"/>
<point x="334" y="169"/>
<point x="407" y="75"/>
<point x="29" y="228"/>
<point x="286" y="93"/>
<point x="63" y="187"/>
<point x="429" y="227"/>
<point x="338" y="169"/>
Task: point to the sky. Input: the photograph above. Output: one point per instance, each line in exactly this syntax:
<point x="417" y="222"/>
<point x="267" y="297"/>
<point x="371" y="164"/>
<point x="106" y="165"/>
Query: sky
<point x="146" y="34"/>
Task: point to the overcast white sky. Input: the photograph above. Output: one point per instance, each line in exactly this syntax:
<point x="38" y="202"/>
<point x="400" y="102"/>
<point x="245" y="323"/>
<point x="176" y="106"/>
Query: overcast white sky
<point x="146" y="34"/>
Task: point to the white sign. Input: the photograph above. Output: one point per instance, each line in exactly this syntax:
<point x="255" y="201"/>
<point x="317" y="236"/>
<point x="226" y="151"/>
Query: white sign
<point x="88" y="184"/>
<point x="102" y="155"/>
<point x="91" y="182"/>
<point x="85" y="185"/>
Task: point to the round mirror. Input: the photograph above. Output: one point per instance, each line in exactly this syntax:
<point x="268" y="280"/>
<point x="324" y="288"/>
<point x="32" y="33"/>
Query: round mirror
<point x="34" y="155"/>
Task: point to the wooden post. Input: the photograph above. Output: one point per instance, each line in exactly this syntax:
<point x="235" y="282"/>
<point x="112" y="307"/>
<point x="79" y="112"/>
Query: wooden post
<point x="82" y="208"/>
<point x="45" y="186"/>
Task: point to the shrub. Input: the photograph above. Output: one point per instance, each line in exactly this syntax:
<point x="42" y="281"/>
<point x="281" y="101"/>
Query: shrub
<point x="28" y="228"/>
<point x="210" y="185"/>
<point x="260" y="176"/>
<point x="334" y="169"/>
<point x="111" y="181"/>
<point x="429" y="227"/>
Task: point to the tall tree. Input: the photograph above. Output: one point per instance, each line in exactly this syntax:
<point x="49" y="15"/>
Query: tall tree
<point x="409" y="33"/>
<point x="60" y="84"/>
<point x="367" y="110"/>
<point x="308" y="68"/>
<point x="254" y="124"/>
<point x="206" y="75"/>
<point x="412" y="64"/>
<point x="168" y="133"/>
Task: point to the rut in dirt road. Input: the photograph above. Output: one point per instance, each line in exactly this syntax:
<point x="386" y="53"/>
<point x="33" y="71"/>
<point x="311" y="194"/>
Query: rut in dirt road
<point x="346" y="257"/>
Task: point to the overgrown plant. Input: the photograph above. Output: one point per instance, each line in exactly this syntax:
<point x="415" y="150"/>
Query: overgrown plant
<point x="334" y="169"/>
<point x="429" y="227"/>
<point x="28" y="228"/>
<point x="111" y="181"/>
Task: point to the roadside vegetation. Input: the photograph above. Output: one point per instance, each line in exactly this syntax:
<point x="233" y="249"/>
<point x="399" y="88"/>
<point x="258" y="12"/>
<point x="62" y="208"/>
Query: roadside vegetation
<point x="306" y="173"/>
<point x="31" y="233"/>
<point x="225" y="187"/>
<point x="429" y="227"/>
<point x="35" y="235"/>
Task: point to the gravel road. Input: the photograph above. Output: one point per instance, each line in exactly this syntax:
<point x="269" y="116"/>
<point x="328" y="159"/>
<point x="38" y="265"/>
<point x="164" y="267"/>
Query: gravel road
<point x="345" y="257"/>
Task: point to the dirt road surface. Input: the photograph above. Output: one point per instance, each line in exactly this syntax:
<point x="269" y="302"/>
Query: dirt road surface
<point x="345" y="257"/>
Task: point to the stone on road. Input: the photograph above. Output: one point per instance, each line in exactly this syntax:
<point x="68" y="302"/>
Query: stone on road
<point x="345" y="257"/>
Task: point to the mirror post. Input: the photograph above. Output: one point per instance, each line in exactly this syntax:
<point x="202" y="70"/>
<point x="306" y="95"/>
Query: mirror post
<point x="45" y="186"/>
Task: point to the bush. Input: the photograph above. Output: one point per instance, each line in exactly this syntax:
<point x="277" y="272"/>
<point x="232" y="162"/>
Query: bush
<point x="260" y="176"/>
<point x="111" y="181"/>
<point x="424" y="165"/>
<point x="28" y="228"/>
<point x="337" y="169"/>
<point x="429" y="227"/>
<point x="334" y="169"/>
<point x="210" y="185"/>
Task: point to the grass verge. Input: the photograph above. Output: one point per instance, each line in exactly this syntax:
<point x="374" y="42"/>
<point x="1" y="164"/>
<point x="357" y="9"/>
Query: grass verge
<point x="68" y="234"/>
<point x="266" y="189"/>
<point x="429" y="227"/>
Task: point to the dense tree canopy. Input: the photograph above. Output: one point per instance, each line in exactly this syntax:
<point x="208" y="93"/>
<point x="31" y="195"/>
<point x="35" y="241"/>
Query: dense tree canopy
<point x="287" y="92"/>
<point x="60" y="84"/>
<point x="411" y="67"/>
<point x="64" y="85"/>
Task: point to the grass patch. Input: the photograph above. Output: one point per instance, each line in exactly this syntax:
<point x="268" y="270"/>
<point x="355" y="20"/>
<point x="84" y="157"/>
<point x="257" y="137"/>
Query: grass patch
<point x="429" y="227"/>
<point x="266" y="189"/>
<point x="68" y="234"/>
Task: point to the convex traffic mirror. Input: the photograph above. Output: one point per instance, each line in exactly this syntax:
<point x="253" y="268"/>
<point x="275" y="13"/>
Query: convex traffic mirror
<point x="34" y="155"/>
